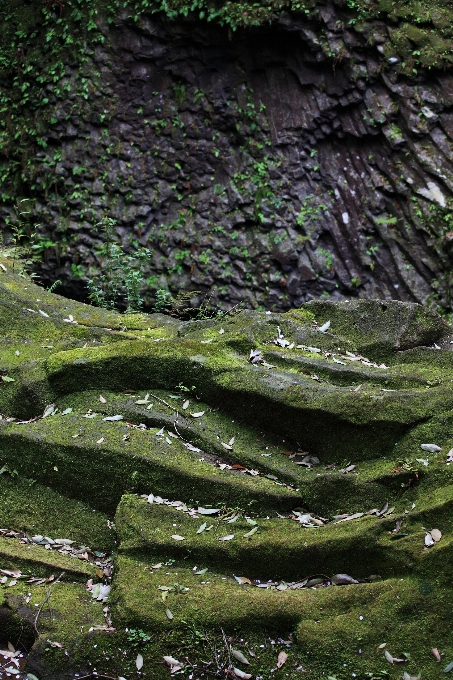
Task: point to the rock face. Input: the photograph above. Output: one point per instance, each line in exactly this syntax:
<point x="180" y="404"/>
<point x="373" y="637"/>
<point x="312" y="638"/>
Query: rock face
<point x="251" y="463"/>
<point x="272" y="165"/>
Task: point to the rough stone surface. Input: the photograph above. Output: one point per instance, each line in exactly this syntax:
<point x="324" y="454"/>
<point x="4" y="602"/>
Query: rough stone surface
<point x="310" y="462"/>
<point x="272" y="166"/>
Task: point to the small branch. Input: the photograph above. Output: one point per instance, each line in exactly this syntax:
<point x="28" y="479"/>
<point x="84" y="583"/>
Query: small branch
<point x="49" y="593"/>
<point x="227" y="648"/>
<point x="162" y="401"/>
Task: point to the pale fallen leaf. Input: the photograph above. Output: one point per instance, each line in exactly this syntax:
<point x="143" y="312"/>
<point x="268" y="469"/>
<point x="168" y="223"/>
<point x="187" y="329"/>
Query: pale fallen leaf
<point x="431" y="448"/>
<point x="168" y="614"/>
<point x="325" y="327"/>
<point x="202" y="528"/>
<point x="242" y="580"/>
<point x="429" y="541"/>
<point x="227" y="538"/>
<point x="240" y="657"/>
<point x="354" y="516"/>
<point x="186" y="404"/>
<point x="50" y="410"/>
<point x="171" y="661"/>
<point x="449" y="667"/>
<point x="99" y="441"/>
<point x="208" y="511"/>
<point x="191" y="447"/>
<point x="102" y="400"/>
<point x="176" y="537"/>
<point x="241" y="674"/>
<point x="145" y="400"/>
<point x="435" y="651"/>
<point x="388" y="656"/>
<point x="139" y="662"/>
<point x="111" y="418"/>
<point x="342" y="580"/>
<point x="282" y="657"/>
<point x="198" y="414"/>
<point x="250" y="533"/>
<point x="436" y="535"/>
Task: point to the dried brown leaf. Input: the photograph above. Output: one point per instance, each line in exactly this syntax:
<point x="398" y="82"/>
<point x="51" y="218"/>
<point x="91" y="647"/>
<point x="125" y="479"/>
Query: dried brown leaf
<point x="282" y="657"/>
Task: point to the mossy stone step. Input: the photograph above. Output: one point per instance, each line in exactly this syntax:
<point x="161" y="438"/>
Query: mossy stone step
<point x="279" y="548"/>
<point x="29" y="507"/>
<point x="63" y="352"/>
<point x="66" y="621"/>
<point x="97" y="461"/>
<point x="35" y="560"/>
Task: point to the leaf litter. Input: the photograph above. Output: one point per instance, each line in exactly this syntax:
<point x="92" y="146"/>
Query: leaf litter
<point x="432" y="537"/>
<point x="65" y="546"/>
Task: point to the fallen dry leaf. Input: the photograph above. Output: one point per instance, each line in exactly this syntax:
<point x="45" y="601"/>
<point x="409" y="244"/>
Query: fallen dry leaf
<point x="429" y="541"/>
<point x="435" y="651"/>
<point x="282" y="657"/>
<point x="436" y="535"/>
<point x="388" y="656"/>
<point x="431" y="448"/>
<point x="242" y="580"/>
<point x="240" y="657"/>
<point x="241" y="674"/>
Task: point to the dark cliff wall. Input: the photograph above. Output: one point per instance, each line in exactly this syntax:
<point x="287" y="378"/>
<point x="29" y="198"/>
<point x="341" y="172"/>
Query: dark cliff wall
<point x="272" y="165"/>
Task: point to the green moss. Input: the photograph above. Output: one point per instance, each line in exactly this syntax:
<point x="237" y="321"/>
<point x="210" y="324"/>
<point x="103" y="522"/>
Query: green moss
<point x="253" y="417"/>
<point x="281" y="549"/>
<point x="66" y="618"/>
<point x="302" y="314"/>
<point x="99" y="473"/>
<point x="37" y="561"/>
<point x="35" y="509"/>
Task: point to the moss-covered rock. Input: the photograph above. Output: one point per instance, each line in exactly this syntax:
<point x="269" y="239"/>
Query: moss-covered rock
<point x="147" y="423"/>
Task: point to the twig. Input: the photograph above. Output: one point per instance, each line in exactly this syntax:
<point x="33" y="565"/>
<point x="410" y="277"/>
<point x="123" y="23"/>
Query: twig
<point x="49" y="593"/>
<point x="227" y="647"/>
<point x="162" y="401"/>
